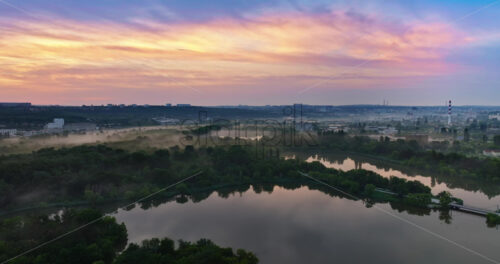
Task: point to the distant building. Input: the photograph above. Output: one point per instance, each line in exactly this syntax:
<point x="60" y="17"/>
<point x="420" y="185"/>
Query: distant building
<point x="8" y="132"/>
<point x="337" y="128"/>
<point x="491" y="153"/>
<point x="183" y="105"/>
<point x="168" y="105"/>
<point x="383" y="130"/>
<point x="494" y="116"/>
<point x="389" y="131"/>
<point x="167" y="121"/>
<point x="57" y="124"/>
<point x="15" y="104"/>
<point x="420" y="138"/>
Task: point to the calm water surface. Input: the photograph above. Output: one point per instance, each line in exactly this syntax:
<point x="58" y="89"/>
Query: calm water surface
<point x="308" y="226"/>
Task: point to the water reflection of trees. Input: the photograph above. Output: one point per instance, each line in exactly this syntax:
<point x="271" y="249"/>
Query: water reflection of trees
<point x="452" y="181"/>
<point x="445" y="216"/>
<point x="197" y="196"/>
<point x="410" y="209"/>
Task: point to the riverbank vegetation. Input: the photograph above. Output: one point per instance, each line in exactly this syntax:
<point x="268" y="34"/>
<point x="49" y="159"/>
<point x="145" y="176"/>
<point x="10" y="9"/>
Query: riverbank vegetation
<point x="412" y="154"/>
<point x="100" y="174"/>
<point x="97" y="243"/>
<point x="204" y="251"/>
<point x="493" y="220"/>
<point x="92" y="175"/>
<point x="100" y="243"/>
<point x="382" y="164"/>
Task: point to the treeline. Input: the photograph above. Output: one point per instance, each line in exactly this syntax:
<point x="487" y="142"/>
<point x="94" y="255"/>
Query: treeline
<point x="35" y="117"/>
<point x="412" y="154"/>
<point x="101" y="243"/>
<point x="359" y="182"/>
<point x="99" y="173"/>
<point x="205" y="129"/>
<point x="202" y="252"/>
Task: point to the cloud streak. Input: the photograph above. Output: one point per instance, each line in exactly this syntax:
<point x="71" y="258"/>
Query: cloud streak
<point x="62" y="56"/>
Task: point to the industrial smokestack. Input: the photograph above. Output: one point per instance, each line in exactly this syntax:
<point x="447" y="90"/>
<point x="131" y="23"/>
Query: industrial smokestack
<point x="449" y="113"/>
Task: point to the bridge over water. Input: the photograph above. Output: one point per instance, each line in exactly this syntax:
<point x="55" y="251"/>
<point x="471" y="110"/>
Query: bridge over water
<point x="473" y="210"/>
<point x="453" y="205"/>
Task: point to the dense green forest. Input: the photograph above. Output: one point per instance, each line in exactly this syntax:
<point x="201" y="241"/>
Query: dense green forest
<point x="101" y="243"/>
<point x="202" y="252"/>
<point x="410" y="153"/>
<point x="89" y="175"/>
<point x="99" y="173"/>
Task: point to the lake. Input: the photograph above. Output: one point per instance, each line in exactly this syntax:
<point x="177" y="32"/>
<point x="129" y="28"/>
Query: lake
<point x="309" y="226"/>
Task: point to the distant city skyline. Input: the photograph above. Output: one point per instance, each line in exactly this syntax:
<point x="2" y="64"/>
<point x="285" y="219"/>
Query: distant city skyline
<point x="233" y="105"/>
<point x="226" y="52"/>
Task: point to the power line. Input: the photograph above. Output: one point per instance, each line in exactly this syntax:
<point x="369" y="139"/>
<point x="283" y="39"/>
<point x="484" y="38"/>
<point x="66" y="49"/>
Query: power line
<point x="406" y="221"/>
<point x="98" y="219"/>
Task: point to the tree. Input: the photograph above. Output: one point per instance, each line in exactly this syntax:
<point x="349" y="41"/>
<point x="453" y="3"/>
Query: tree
<point x="369" y="190"/>
<point x="6" y="193"/>
<point x="493" y="220"/>
<point x="445" y="199"/>
<point x="98" y="243"/>
<point x="445" y="216"/>
<point x="418" y="199"/>
<point x="496" y="140"/>
<point x="483" y="126"/>
<point x="182" y="188"/>
<point x="162" y="153"/>
<point x="92" y="196"/>
<point x="202" y="252"/>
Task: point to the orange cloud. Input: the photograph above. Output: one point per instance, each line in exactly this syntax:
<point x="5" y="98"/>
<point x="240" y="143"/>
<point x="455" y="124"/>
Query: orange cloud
<point x="64" y="56"/>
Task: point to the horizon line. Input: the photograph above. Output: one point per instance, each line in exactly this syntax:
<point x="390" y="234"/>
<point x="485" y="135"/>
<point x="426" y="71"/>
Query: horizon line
<point x="229" y="105"/>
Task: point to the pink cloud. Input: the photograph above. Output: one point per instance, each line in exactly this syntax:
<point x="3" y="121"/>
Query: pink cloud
<point x="340" y="47"/>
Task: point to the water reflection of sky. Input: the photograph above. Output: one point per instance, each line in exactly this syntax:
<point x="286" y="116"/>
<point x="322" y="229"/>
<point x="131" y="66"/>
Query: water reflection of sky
<point x="304" y="226"/>
<point x="472" y="198"/>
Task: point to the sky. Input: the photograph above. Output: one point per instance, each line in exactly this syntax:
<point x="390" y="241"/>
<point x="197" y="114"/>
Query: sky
<point x="252" y="52"/>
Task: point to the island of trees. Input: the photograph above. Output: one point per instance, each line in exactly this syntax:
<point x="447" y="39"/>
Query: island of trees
<point x="99" y="173"/>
